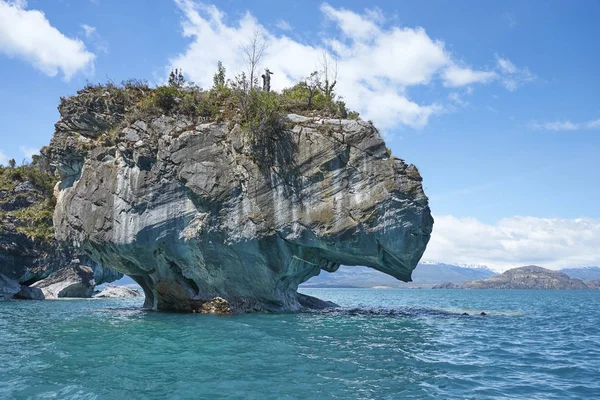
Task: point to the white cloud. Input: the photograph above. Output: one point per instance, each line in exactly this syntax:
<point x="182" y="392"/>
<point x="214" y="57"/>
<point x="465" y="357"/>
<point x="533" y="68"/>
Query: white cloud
<point x="506" y="65"/>
<point x="455" y="76"/>
<point x="28" y="35"/>
<point x="92" y="35"/>
<point x="595" y="124"/>
<point x="512" y="242"/>
<point x="89" y="31"/>
<point x="377" y="66"/>
<point x="566" y="125"/>
<point x="457" y="99"/>
<point x="510" y="19"/>
<point x="3" y="158"/>
<point x="511" y="76"/>
<point x="28" y="152"/>
<point x="284" y="25"/>
<point x="353" y="25"/>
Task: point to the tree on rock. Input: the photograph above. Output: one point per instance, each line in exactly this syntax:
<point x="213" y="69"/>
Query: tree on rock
<point x="219" y="77"/>
<point x="253" y="53"/>
<point x="176" y="78"/>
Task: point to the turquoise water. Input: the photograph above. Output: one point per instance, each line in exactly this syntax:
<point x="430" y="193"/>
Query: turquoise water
<point x="382" y="344"/>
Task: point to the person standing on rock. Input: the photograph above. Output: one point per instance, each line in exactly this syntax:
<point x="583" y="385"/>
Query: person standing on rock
<point x="266" y="77"/>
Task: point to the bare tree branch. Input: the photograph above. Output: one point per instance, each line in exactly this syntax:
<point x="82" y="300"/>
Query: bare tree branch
<point x="329" y="74"/>
<point x="254" y="50"/>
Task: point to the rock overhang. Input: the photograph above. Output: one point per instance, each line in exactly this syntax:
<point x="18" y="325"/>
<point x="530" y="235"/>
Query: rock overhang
<point x="186" y="209"/>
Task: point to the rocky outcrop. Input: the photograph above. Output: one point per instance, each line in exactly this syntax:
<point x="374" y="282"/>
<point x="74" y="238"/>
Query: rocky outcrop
<point x="593" y="284"/>
<point x="73" y="281"/>
<point x="28" y="250"/>
<point x="192" y="212"/>
<point x="112" y="291"/>
<point x="529" y="277"/>
<point x="8" y="287"/>
<point x="30" y="293"/>
<point x="217" y="305"/>
<point x="314" y="303"/>
<point x="447" y="285"/>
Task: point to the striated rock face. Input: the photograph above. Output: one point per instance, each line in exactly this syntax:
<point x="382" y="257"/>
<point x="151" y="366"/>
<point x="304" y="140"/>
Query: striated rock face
<point x="529" y="277"/>
<point x="191" y="213"/>
<point x="73" y="281"/>
<point x="112" y="291"/>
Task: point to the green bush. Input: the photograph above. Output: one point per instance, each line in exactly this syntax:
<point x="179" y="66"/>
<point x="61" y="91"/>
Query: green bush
<point x="188" y="105"/>
<point x="166" y="98"/>
<point x="353" y="115"/>
<point x="11" y="177"/>
<point x="34" y="221"/>
<point x="207" y="107"/>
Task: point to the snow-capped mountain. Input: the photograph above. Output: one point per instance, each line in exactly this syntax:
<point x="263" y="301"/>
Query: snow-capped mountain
<point x="583" y="273"/>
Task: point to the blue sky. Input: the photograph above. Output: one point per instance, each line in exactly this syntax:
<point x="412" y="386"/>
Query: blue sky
<point x="496" y="102"/>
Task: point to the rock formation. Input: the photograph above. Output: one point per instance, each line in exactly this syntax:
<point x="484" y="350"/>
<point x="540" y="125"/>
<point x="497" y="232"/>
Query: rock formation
<point x="28" y="250"/>
<point x="593" y="284"/>
<point x="447" y="285"/>
<point x="112" y="291"/>
<point x="192" y="211"/>
<point x="217" y="305"/>
<point x="529" y="277"/>
<point x="73" y="281"/>
<point x="8" y="287"/>
<point x="30" y="293"/>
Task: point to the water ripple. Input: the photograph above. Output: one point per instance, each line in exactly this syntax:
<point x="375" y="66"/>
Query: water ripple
<point x="377" y="345"/>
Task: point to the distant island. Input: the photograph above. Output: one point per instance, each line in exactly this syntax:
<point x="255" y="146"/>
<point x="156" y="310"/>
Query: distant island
<point x="528" y="277"/>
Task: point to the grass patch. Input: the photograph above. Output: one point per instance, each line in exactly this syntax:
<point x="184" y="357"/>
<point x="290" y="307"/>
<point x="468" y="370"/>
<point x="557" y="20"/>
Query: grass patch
<point x="35" y="221"/>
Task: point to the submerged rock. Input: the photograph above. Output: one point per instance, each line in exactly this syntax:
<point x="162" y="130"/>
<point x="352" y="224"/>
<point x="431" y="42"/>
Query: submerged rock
<point x="112" y="291"/>
<point x="314" y="303"/>
<point x="73" y="281"/>
<point x="8" y="287"/>
<point x="192" y="212"/>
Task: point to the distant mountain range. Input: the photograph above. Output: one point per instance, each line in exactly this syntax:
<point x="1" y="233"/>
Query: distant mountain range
<point x="584" y="273"/>
<point x="425" y="275"/>
<point x="528" y="277"/>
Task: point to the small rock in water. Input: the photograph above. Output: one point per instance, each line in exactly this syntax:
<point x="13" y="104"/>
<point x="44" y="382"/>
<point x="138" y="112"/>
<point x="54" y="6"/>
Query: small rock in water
<point x="465" y="313"/>
<point x="218" y="305"/>
<point x="482" y="313"/>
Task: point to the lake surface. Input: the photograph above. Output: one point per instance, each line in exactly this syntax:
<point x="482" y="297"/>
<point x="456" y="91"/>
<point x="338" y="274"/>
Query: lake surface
<point x="381" y="344"/>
